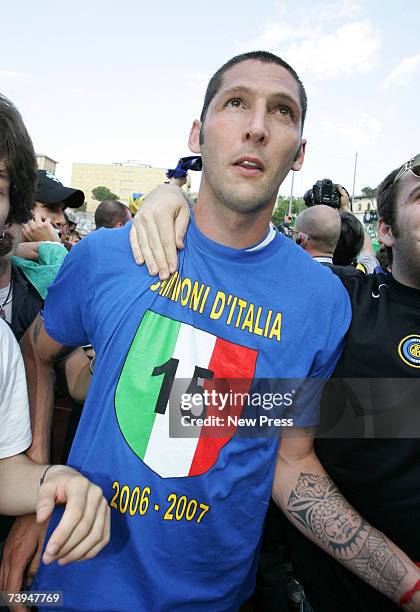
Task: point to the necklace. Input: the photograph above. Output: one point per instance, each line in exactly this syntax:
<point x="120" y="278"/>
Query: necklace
<point x="6" y="301"/>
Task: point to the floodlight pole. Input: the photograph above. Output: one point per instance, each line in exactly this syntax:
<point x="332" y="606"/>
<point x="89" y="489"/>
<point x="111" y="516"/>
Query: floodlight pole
<point x="291" y="194"/>
<point x="354" y="181"/>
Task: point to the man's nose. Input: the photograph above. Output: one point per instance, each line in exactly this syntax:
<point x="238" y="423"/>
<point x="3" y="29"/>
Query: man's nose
<point x="257" y="131"/>
<point x="59" y="219"/>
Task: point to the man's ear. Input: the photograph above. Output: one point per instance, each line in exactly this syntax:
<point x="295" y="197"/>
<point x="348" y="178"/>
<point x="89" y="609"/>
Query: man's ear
<point x="385" y="234"/>
<point x="194" y="137"/>
<point x="300" y="156"/>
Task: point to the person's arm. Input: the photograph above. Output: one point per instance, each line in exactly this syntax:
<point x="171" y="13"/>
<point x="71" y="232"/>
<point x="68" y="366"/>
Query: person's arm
<point x="39" y="352"/>
<point x="67" y="316"/>
<point x="314" y="505"/>
<point x="84" y="527"/>
<point x="159" y="228"/>
<point x="367" y="260"/>
<point x="367" y="245"/>
<point x="23" y="546"/>
<point x="28" y="250"/>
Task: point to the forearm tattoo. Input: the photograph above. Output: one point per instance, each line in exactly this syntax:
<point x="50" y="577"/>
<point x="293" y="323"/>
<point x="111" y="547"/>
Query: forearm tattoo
<point x="320" y="508"/>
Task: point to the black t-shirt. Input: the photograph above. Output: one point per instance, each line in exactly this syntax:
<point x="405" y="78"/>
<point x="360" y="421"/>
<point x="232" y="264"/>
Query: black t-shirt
<point x="381" y="476"/>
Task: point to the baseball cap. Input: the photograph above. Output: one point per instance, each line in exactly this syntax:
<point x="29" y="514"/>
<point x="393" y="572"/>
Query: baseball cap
<point x="50" y="190"/>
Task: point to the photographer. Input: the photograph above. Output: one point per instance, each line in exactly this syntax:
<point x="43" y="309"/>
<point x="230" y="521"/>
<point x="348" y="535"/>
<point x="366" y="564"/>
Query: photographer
<point x="318" y="232"/>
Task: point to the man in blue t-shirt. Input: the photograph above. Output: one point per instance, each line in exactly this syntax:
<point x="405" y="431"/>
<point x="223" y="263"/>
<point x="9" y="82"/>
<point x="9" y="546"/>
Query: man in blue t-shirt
<point x="189" y="372"/>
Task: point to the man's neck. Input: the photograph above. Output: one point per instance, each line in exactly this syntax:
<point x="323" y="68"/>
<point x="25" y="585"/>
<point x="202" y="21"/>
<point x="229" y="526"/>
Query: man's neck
<point x="401" y="276"/>
<point x="319" y="253"/>
<point x="228" y="227"/>
<point x="5" y="274"/>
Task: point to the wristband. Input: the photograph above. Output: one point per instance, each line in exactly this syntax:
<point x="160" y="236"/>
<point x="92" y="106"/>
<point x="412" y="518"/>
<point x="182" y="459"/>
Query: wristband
<point x="409" y="595"/>
<point x="41" y="480"/>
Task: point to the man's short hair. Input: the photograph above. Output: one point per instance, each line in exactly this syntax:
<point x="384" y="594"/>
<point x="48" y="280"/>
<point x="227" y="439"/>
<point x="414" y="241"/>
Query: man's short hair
<point x="110" y="212"/>
<point x="265" y="57"/>
<point x="386" y="199"/>
<point x="17" y="152"/>
<point x="350" y="242"/>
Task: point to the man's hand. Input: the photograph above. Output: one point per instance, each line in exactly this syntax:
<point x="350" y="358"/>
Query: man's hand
<point x="28" y="250"/>
<point x="84" y="528"/>
<point x="21" y="553"/>
<point x="159" y="228"/>
<point x="344" y="199"/>
<point x="39" y="230"/>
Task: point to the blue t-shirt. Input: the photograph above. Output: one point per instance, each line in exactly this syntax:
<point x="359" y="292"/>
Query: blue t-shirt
<point x="187" y="512"/>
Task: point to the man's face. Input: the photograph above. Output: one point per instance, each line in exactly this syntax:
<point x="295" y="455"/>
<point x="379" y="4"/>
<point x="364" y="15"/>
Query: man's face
<point x="251" y="136"/>
<point x="53" y="212"/>
<point x="6" y="239"/>
<point x="4" y="193"/>
<point x="404" y="238"/>
<point x="8" y="244"/>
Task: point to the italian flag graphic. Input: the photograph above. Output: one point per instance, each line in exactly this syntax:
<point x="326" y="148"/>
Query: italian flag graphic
<point x="164" y="351"/>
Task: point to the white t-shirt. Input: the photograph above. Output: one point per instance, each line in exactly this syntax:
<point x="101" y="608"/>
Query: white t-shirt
<point x="5" y="297"/>
<point x="15" y="425"/>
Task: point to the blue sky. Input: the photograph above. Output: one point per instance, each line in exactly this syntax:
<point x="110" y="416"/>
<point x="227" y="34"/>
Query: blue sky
<point x="100" y="81"/>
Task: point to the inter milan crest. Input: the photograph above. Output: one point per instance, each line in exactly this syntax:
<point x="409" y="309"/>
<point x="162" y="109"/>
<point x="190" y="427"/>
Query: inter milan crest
<point x="409" y="350"/>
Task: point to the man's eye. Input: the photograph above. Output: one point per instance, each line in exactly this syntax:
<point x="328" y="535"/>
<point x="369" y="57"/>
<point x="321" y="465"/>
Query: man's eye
<point x="285" y="111"/>
<point x="234" y="103"/>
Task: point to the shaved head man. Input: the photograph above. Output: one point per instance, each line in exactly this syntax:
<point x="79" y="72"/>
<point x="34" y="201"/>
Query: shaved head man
<point x="318" y="230"/>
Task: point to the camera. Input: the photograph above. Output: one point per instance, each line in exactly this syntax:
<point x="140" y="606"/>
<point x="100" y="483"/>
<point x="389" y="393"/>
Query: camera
<point x="193" y="162"/>
<point x="323" y="192"/>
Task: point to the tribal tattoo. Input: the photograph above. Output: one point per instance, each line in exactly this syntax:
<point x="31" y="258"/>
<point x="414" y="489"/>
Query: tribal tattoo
<point x="317" y="505"/>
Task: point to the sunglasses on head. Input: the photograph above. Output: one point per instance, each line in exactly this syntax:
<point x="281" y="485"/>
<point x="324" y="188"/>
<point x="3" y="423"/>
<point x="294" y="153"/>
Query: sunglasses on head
<point x="413" y="165"/>
<point x="300" y="238"/>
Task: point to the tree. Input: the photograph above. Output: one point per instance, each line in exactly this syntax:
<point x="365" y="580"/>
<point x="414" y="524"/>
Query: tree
<point x="370" y="192"/>
<point x="102" y="193"/>
<point x="282" y="208"/>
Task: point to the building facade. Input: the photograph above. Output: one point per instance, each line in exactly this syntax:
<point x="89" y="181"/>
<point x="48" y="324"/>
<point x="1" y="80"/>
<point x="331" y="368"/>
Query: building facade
<point x="123" y="179"/>
<point x="46" y="163"/>
<point x="363" y="203"/>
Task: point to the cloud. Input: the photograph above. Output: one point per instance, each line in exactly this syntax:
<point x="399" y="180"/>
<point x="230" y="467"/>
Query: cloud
<point x="199" y="80"/>
<point x="404" y="72"/>
<point x="350" y="49"/>
<point x="277" y="33"/>
<point x="326" y="41"/>
<point x="360" y="132"/>
<point x="9" y="73"/>
<point x="347" y="9"/>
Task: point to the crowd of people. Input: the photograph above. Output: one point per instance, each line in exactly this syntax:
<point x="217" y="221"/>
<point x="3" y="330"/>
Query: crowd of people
<point x="209" y="520"/>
